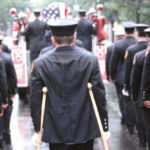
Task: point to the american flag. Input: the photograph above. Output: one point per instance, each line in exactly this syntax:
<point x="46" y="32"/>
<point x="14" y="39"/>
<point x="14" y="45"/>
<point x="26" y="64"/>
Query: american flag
<point x="55" y="11"/>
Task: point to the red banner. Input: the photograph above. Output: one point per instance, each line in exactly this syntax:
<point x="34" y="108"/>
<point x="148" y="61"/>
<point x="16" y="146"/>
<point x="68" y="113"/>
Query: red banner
<point x="100" y="51"/>
<point x="20" y="64"/>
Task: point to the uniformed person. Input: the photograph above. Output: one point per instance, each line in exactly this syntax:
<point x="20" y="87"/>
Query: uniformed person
<point x="131" y="109"/>
<point x="3" y="94"/>
<point x="69" y="122"/>
<point x="146" y="92"/>
<point x="117" y="61"/>
<point x="12" y="89"/>
<point x="119" y="34"/>
<point x="35" y="32"/>
<point x="85" y="30"/>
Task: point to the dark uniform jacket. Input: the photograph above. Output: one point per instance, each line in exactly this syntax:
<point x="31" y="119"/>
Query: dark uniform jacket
<point x="117" y="58"/>
<point x="10" y="73"/>
<point x="85" y="30"/>
<point x="5" y="48"/>
<point x="140" y="45"/>
<point x="108" y="57"/>
<point x="36" y="34"/>
<point x="3" y="85"/>
<point x="136" y="77"/>
<point x="69" y="116"/>
<point x="146" y="79"/>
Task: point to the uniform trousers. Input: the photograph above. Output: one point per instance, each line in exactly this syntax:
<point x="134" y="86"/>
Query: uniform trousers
<point x="6" y="120"/>
<point x="129" y="114"/>
<point x="120" y="99"/>
<point x="140" y="124"/>
<point x="146" y="115"/>
<point x="81" y="146"/>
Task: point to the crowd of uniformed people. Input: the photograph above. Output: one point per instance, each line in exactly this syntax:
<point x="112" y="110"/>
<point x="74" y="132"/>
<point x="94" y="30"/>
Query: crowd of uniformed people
<point x="65" y="68"/>
<point x="127" y="67"/>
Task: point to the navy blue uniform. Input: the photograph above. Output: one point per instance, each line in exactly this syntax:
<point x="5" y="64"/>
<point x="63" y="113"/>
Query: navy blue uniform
<point x="35" y="32"/>
<point x="116" y="67"/>
<point x="12" y="89"/>
<point x="146" y="94"/>
<point x="136" y="95"/>
<point x="128" y="63"/>
<point x="85" y="30"/>
<point x="66" y="71"/>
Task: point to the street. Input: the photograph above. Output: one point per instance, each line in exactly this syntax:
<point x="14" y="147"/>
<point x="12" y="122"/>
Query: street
<point x="22" y="128"/>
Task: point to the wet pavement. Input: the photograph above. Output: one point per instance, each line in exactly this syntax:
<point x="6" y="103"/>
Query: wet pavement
<point x="22" y="128"/>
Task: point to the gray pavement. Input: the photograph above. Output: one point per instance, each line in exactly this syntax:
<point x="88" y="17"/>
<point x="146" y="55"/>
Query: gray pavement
<point x="22" y="128"/>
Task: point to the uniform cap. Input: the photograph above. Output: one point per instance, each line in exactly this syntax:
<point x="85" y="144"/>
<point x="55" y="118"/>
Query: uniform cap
<point x="129" y="24"/>
<point x="37" y="10"/>
<point x="1" y="37"/>
<point x="147" y="31"/>
<point x="119" y="30"/>
<point x="22" y="14"/>
<point x="141" y="27"/>
<point x="63" y="27"/>
<point x="82" y="12"/>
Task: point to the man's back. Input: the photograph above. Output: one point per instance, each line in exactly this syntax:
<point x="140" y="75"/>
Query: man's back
<point x="69" y="115"/>
<point x="85" y="30"/>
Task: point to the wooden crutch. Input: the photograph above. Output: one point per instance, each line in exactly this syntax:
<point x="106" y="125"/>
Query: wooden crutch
<point x="103" y="136"/>
<point x="39" y="140"/>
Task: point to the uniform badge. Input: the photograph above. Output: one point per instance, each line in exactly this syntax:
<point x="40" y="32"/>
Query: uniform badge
<point x="32" y="67"/>
<point x="126" y="54"/>
<point x="134" y="60"/>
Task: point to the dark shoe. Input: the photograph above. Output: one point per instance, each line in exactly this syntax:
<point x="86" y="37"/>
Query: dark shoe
<point x="142" y="144"/>
<point x="1" y="145"/>
<point x="131" y="131"/>
<point x="7" y="139"/>
<point x="123" y="121"/>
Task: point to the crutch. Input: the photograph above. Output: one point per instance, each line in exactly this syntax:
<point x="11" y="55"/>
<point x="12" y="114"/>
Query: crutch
<point x="103" y="136"/>
<point x="39" y="140"/>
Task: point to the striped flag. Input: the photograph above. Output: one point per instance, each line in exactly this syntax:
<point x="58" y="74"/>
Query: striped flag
<point x="55" y="11"/>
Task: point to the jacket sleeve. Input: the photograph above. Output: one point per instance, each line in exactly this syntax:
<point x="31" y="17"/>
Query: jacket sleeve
<point x="114" y="63"/>
<point x="127" y="71"/>
<point x="36" y="86"/>
<point x="146" y="79"/>
<point x="135" y="81"/>
<point x="99" y="94"/>
<point x="12" y="79"/>
<point x="3" y="83"/>
<point x="108" y="56"/>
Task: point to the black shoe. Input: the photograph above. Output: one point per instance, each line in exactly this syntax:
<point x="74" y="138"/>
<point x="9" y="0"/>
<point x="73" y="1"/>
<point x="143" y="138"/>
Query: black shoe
<point x="1" y="145"/>
<point x="142" y="144"/>
<point x="123" y="121"/>
<point x="7" y="139"/>
<point x="131" y="131"/>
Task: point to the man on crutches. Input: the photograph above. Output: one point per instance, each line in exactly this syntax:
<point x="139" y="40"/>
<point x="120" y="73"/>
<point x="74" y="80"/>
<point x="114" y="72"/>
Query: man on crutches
<point x="69" y="121"/>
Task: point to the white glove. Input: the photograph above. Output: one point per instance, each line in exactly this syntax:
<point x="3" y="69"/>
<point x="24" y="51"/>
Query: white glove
<point x="34" y="138"/>
<point x="125" y="93"/>
<point x="107" y="134"/>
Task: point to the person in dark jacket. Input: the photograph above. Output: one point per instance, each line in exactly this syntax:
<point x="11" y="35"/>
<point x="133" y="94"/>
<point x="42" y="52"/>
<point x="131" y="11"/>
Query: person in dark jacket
<point x="69" y="117"/>
<point x="135" y="93"/>
<point x="3" y="94"/>
<point x="3" y="98"/>
<point x="35" y="32"/>
<point x="119" y="34"/>
<point x="146" y="92"/>
<point x="85" y="30"/>
<point x="11" y="91"/>
<point x="117" y="61"/>
<point x="131" y="109"/>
